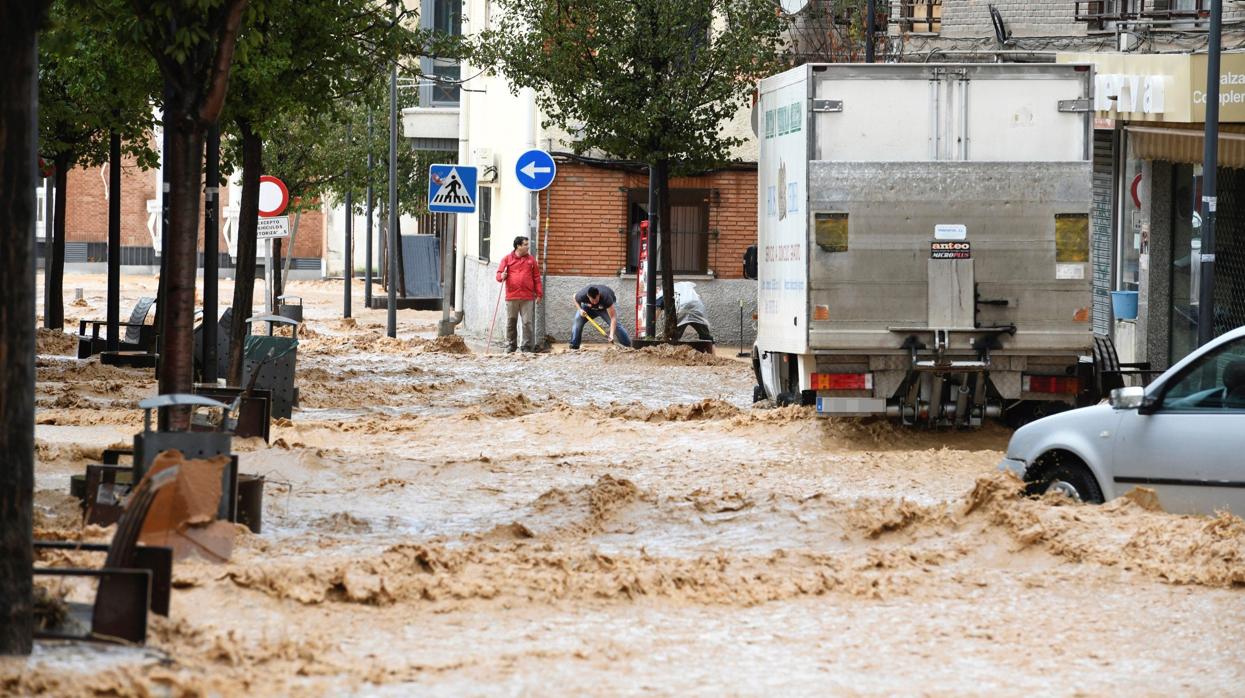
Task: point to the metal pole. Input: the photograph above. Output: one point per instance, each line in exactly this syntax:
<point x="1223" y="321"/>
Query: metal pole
<point x="1210" y="163"/>
<point x="348" y="253"/>
<point x="114" y="240"/>
<point x="542" y="320"/>
<point x="870" y="9"/>
<point x="650" y="281"/>
<point x="268" y="278"/>
<point x="391" y="324"/>
<point x="166" y="189"/>
<point x="367" y="250"/>
<point x="446" y="223"/>
<point x="211" y="255"/>
<point x="49" y="231"/>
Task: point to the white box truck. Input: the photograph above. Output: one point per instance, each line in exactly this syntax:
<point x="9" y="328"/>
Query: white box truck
<point x="923" y="240"/>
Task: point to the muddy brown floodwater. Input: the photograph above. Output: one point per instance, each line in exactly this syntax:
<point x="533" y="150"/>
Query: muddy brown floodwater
<point x="444" y="520"/>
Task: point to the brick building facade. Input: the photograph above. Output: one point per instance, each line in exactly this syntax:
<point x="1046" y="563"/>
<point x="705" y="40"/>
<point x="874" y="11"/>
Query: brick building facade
<point x="86" y="220"/>
<point x="592" y="222"/>
<point x="593" y="212"/>
<point x="949" y="30"/>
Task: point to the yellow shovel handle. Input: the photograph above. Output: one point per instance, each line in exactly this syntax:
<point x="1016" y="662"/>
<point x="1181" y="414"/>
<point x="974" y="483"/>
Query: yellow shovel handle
<point x="598" y="327"/>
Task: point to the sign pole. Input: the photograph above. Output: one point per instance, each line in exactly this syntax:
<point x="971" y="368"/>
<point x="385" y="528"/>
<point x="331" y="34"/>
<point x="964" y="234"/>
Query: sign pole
<point x="274" y="196"/>
<point x="268" y="277"/>
<point x="535" y="170"/>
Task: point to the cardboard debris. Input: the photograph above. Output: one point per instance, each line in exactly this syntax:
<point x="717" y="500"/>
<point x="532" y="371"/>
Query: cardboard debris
<point x="183" y="515"/>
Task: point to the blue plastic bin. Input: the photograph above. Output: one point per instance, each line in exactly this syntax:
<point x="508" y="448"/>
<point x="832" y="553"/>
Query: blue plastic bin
<point x="1124" y="305"/>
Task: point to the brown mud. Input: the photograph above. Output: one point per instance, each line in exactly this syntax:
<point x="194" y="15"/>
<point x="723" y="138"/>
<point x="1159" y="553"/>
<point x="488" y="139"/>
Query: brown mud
<point x="442" y="519"/>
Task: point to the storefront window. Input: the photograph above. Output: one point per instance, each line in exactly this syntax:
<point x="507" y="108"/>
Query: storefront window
<point x="1186" y="240"/>
<point x="1130" y="244"/>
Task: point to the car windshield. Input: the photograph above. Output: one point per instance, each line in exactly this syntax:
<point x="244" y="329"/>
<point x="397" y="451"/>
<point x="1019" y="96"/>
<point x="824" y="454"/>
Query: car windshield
<point x="1216" y="381"/>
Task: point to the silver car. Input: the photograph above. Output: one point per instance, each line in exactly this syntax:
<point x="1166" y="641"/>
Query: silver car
<point x="1183" y="436"/>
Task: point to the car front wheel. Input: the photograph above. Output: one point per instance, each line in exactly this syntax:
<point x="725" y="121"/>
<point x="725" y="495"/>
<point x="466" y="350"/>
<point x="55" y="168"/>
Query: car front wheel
<point x="1066" y="474"/>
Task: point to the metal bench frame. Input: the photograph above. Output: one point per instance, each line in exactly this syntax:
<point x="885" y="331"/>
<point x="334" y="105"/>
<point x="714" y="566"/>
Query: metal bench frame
<point x="134" y="578"/>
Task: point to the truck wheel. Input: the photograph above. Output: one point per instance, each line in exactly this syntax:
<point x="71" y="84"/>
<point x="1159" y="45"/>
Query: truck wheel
<point x="758" y="393"/>
<point x="1065" y="474"/>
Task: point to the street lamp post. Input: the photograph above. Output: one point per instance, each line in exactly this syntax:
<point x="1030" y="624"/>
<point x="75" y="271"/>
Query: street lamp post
<point x="347" y="248"/>
<point x="1210" y="164"/>
<point x="367" y="251"/>
<point x="391" y="326"/>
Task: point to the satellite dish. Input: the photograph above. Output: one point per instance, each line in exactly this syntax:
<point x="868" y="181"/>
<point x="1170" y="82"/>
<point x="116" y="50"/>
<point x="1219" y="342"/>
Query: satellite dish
<point x="793" y="6"/>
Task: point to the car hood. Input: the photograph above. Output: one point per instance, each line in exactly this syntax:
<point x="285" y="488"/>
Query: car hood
<point x="1064" y="429"/>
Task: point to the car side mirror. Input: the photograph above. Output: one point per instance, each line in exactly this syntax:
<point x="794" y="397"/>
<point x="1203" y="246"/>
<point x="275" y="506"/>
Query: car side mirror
<point x="1128" y="398"/>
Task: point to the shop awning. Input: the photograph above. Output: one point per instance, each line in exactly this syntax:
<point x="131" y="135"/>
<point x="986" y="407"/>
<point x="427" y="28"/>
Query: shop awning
<point x="1183" y="143"/>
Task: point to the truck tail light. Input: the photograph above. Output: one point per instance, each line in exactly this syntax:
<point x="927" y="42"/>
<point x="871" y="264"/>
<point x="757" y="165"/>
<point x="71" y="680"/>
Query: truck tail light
<point x="842" y="381"/>
<point x="1066" y="385"/>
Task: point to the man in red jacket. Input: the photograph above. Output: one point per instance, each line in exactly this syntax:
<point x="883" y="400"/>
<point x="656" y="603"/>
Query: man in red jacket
<point x="521" y="273"/>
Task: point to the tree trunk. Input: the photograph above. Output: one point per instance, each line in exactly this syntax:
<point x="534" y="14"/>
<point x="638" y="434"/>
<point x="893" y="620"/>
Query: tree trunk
<point x="18" y="136"/>
<point x="185" y="159"/>
<point x="669" y="322"/>
<point x="248" y="244"/>
<point x="54" y="313"/>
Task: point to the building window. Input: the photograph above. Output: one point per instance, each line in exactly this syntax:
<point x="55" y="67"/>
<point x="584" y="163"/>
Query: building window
<point x="439" y="86"/>
<point x="1101" y="15"/>
<point x="445" y="87"/>
<point x="484" y="215"/>
<point x="447" y="16"/>
<point x="921" y="16"/>
<point x="689" y="228"/>
<point x="1132" y="229"/>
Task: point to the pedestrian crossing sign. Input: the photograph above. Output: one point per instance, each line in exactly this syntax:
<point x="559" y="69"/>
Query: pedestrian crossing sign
<point x="452" y="188"/>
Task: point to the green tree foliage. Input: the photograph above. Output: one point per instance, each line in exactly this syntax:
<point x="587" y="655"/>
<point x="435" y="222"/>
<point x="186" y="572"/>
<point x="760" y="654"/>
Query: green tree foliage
<point x="89" y="87"/>
<point x="323" y="163"/>
<point x="643" y="80"/>
<point x="299" y="67"/>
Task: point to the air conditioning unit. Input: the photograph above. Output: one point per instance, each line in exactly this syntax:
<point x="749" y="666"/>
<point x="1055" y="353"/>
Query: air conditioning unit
<point x="484" y="159"/>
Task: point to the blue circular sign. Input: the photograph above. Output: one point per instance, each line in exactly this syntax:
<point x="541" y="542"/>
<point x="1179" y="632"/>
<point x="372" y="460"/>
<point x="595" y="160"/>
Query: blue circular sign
<point x="535" y="169"/>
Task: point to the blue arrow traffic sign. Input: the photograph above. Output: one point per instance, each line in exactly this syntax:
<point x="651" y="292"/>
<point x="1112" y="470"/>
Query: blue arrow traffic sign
<point x="452" y="188"/>
<point x="535" y="169"/>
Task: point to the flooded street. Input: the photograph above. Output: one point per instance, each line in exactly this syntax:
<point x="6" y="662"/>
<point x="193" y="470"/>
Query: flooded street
<point x="441" y="519"/>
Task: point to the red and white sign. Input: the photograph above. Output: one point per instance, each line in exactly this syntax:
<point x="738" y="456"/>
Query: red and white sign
<point x="273" y="196"/>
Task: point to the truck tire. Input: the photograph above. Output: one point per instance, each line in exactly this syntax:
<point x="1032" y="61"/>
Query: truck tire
<point x="1065" y="473"/>
<point x="758" y="393"/>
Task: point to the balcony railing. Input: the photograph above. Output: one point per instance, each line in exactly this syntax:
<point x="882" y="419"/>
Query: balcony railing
<point x="1101" y="12"/>
<point x="920" y="16"/>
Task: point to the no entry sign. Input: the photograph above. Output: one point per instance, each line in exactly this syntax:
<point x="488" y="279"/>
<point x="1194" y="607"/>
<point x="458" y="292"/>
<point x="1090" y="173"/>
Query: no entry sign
<point x="273" y="196"/>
